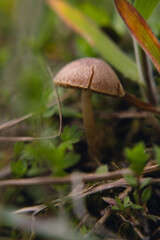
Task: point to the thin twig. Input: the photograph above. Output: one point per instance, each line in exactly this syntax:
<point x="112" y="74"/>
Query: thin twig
<point x="28" y="139"/>
<point x="62" y="180"/>
<point x="68" y="179"/>
<point x="59" y="104"/>
<point x="13" y="122"/>
<point x="100" y="222"/>
<point x="133" y="225"/>
<point x="130" y="98"/>
<point x="122" y="114"/>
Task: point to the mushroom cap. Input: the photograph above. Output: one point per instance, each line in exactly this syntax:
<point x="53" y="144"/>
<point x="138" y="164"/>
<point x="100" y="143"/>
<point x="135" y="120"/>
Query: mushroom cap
<point x="90" y="74"/>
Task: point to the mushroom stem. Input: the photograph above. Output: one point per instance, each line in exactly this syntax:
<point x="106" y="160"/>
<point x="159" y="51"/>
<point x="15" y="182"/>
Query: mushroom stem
<point x="89" y="124"/>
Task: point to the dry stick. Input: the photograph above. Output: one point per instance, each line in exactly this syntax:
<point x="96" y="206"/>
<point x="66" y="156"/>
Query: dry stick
<point x="133" y="225"/>
<point x="100" y="222"/>
<point x="125" y="193"/>
<point x="68" y="179"/>
<point x="38" y="208"/>
<point x="13" y="122"/>
<point x="154" y="122"/>
<point x="147" y="107"/>
<point x="119" y="183"/>
<point x="105" y="186"/>
<point x="122" y="114"/>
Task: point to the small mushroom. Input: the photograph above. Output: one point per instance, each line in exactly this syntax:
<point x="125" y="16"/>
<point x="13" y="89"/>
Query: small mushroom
<point x="90" y="75"/>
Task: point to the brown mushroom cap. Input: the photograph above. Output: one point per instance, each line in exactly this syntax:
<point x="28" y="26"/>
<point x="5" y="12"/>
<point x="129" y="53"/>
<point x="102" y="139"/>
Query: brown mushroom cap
<point x="90" y="74"/>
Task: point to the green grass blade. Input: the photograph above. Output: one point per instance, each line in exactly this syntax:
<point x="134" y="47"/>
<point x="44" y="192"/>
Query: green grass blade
<point x="90" y="31"/>
<point x="146" y="7"/>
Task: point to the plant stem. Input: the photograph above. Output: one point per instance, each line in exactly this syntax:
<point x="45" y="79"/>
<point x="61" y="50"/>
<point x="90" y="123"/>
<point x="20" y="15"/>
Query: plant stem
<point x="147" y="83"/>
<point x="151" y="87"/>
<point x="140" y="104"/>
<point x="142" y="83"/>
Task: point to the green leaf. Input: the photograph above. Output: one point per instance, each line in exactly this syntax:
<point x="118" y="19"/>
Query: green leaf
<point x="146" y="7"/>
<point x="157" y="154"/>
<point x="5" y="54"/>
<point x="83" y="230"/>
<point x="152" y="218"/>
<point x="33" y="95"/>
<point x="18" y="147"/>
<point x="115" y="208"/>
<point x="126" y="201"/>
<point x="68" y="112"/>
<point x="146" y="182"/>
<point x="49" y="112"/>
<point x="6" y="6"/>
<point x="136" y="197"/>
<point x="102" y="169"/>
<point x="137" y="157"/>
<point x="81" y="24"/>
<point x="38" y="153"/>
<point x="140" y="30"/>
<point x="95" y="12"/>
<point x="131" y="180"/>
<point x="70" y="159"/>
<point x="43" y="153"/>
<point x="19" y="168"/>
<point x="119" y="203"/>
<point x="154" y="21"/>
<point x="136" y="206"/>
<point x="83" y="48"/>
<point x="146" y="194"/>
<point x="67" y="145"/>
<point x="71" y="134"/>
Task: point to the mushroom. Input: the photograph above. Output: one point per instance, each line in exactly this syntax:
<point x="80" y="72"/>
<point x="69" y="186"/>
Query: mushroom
<point x="90" y="75"/>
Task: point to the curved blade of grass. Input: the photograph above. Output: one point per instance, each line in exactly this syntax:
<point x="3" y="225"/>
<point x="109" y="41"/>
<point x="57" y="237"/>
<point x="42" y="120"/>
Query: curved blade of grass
<point x="146" y="7"/>
<point x="140" y="30"/>
<point x="89" y="30"/>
